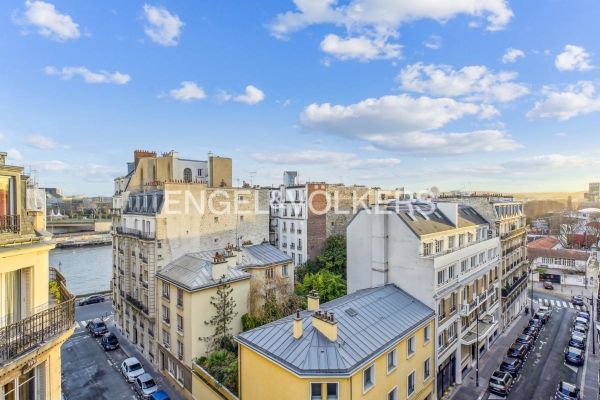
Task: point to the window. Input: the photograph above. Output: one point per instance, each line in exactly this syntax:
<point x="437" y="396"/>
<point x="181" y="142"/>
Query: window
<point x="241" y="218"/>
<point x="426" y="334"/>
<point x="452" y="272"/>
<point x="299" y="259"/>
<point x="393" y="395"/>
<point x="316" y="391"/>
<point x="165" y="290"/>
<point x="269" y="273"/>
<point x="461" y="240"/>
<point x="464" y="265"/>
<point x="411" y="383"/>
<point x="441" y="277"/>
<point x="284" y="270"/>
<point x="216" y="219"/>
<point x="368" y="378"/>
<point x="426" y="249"/>
<point x="332" y="391"/>
<point x="392" y="361"/>
<point x="180" y="297"/>
<point x="439" y="246"/>
<point x="179" y="323"/>
<point x="410" y="347"/>
<point x="187" y="175"/>
<point x="171" y="366"/>
<point x="180" y="350"/>
<point x="451" y="242"/>
<point x="199" y="171"/>
<point x="166" y="338"/>
<point x="180" y="374"/>
<point x="426" y="369"/>
<point x="165" y="313"/>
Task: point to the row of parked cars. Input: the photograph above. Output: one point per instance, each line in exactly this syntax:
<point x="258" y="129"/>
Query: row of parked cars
<point x="132" y="370"/>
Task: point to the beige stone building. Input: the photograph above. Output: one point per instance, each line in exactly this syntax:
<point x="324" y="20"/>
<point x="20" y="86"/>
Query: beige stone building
<point x="185" y="290"/>
<point x="33" y="323"/>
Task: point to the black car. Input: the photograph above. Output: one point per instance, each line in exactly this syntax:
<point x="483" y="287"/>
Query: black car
<point x="531" y="331"/>
<point x="511" y="365"/>
<point x="526" y="340"/>
<point x="574" y="356"/>
<point x="536" y="323"/>
<point x="517" y="351"/>
<point x="577" y="340"/>
<point x="577" y="300"/>
<point x="91" y="300"/>
<point x="97" y="327"/>
<point x="109" y="342"/>
<point x="567" y="391"/>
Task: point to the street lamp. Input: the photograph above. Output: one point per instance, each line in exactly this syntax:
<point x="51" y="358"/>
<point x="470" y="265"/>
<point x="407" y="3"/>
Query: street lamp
<point x="487" y="319"/>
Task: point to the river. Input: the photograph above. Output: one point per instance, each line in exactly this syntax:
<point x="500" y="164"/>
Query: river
<point x="87" y="269"/>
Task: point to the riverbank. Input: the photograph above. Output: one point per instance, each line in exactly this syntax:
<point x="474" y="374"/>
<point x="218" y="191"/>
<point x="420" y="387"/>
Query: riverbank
<point x="82" y="239"/>
<point x="87" y="269"/>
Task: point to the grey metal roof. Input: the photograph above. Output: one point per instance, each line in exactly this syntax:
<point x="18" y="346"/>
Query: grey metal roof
<point x="369" y="322"/>
<point x="260" y="255"/>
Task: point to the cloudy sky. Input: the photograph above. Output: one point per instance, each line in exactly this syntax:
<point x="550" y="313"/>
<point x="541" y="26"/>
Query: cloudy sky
<point x="472" y="94"/>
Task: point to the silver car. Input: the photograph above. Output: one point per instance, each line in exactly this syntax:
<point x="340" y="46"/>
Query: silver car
<point x="131" y="368"/>
<point x="145" y="386"/>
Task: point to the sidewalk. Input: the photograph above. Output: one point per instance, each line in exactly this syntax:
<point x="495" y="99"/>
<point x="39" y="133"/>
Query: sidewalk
<point x="589" y="381"/>
<point x="489" y="362"/>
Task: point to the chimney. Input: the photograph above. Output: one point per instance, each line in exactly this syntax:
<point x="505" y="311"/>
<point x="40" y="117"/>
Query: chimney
<point x="139" y="154"/>
<point x="325" y="323"/>
<point x="313" y="301"/>
<point x="219" y="266"/>
<point x="297" y="325"/>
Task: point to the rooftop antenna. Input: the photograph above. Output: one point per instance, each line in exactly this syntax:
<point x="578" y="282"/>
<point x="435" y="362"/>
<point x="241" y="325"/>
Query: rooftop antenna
<point x="252" y="173"/>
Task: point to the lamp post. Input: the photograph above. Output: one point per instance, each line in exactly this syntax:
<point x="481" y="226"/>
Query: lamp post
<point x="484" y="319"/>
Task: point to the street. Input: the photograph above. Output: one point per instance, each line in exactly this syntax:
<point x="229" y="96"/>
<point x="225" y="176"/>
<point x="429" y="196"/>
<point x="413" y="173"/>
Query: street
<point x="88" y="372"/>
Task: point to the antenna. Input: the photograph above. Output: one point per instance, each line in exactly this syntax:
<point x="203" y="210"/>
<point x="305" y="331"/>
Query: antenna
<point x="251" y="173"/>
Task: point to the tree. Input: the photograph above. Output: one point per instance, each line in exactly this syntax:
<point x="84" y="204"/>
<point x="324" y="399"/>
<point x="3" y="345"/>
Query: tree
<point x="333" y="257"/>
<point x="329" y="285"/>
<point x="223" y="366"/>
<point x="224" y="305"/>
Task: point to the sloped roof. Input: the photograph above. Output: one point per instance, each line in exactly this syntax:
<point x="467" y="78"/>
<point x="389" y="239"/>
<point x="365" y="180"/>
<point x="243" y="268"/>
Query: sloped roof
<point x="546" y="242"/>
<point x="369" y="322"/>
<point x="567" y="254"/>
<point x="426" y="218"/>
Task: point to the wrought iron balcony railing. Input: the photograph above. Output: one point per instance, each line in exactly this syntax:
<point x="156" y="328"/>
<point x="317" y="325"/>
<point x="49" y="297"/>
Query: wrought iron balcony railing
<point x="10" y="223"/>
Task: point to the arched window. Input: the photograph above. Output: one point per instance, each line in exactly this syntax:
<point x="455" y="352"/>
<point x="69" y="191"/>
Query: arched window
<point x="187" y="175"/>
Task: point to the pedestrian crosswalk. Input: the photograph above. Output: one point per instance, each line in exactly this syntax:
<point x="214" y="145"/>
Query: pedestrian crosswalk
<point x="79" y="325"/>
<point x="559" y="304"/>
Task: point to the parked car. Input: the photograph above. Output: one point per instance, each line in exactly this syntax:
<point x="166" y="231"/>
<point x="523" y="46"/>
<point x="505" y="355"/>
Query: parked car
<point x="500" y="383"/>
<point x="526" y="340"/>
<point x="97" y="327"/>
<point x="511" y="365"/>
<point x="548" y="285"/>
<point x="131" y="369"/>
<point x="91" y="300"/>
<point x="567" y="391"/>
<point x="145" y="386"/>
<point x="583" y="314"/>
<point x="536" y="323"/>
<point x="517" y="351"/>
<point x="531" y="331"/>
<point x="579" y="328"/>
<point x="577" y="300"/>
<point x="574" y="356"/>
<point x="577" y="340"/>
<point x="582" y="321"/>
<point x="160" y="395"/>
<point x="110" y="342"/>
<point x="542" y="316"/>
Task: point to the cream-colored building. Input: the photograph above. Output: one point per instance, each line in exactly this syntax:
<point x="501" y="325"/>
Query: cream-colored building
<point x="34" y="323"/>
<point x="187" y="286"/>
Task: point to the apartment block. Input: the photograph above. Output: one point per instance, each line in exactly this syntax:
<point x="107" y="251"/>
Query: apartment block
<point x="445" y="255"/>
<point x="375" y="343"/>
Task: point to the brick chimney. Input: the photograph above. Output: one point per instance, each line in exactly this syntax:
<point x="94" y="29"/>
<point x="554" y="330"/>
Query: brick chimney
<point x="313" y="301"/>
<point x="297" y="325"/>
<point x="219" y="266"/>
<point x="325" y="323"/>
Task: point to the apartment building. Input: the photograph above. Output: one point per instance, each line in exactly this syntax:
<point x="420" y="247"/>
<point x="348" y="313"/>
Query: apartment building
<point x="508" y="221"/>
<point x="164" y="208"/>
<point x="444" y="255"/>
<point x="375" y="343"/>
<point x="187" y="286"/>
<point x="34" y="323"/>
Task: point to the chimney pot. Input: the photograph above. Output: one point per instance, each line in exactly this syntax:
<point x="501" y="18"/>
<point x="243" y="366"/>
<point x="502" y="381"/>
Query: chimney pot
<point x="313" y="301"/>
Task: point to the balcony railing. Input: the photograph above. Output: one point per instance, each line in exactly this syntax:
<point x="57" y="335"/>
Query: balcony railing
<point x="10" y="223"/>
<point x="508" y="290"/>
<point x="137" y="304"/>
<point x="136" y="233"/>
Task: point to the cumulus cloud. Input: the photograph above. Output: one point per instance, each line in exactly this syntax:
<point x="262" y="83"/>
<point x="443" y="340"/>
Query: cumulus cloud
<point x="14" y="155"/>
<point x="49" y="22"/>
<point x="333" y="158"/>
<point x="162" y="27"/>
<point x="573" y="58"/>
<point x="474" y="82"/>
<point x="41" y="142"/>
<point x="574" y="100"/>
<point x="403" y="123"/>
<point x="88" y="76"/>
<point x="512" y="55"/>
<point x="251" y="96"/>
<point x="360" y="48"/>
<point x="434" y="42"/>
<point x="188" y="91"/>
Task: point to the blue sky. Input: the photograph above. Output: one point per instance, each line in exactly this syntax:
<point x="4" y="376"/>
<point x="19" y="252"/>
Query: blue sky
<point x="480" y="95"/>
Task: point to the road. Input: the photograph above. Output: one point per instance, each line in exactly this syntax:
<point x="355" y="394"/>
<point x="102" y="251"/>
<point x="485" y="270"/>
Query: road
<point x="88" y="372"/>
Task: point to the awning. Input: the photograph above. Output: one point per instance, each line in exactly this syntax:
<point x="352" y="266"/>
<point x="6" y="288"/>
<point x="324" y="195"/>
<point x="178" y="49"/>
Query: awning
<point x="485" y="329"/>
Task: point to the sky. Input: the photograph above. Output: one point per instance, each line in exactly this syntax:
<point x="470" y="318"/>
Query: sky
<point x="463" y="95"/>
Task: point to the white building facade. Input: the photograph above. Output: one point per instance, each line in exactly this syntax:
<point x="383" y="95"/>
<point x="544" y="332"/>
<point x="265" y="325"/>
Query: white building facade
<point x="289" y="220"/>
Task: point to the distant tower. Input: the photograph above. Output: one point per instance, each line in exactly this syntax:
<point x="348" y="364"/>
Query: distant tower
<point x="290" y="178"/>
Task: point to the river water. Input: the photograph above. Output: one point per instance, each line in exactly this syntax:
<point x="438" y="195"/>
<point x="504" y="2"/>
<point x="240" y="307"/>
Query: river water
<point x="87" y="269"/>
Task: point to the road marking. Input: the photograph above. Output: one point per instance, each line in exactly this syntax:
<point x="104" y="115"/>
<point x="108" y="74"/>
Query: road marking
<point x="552" y="302"/>
<point x="564" y="304"/>
<point x="109" y="363"/>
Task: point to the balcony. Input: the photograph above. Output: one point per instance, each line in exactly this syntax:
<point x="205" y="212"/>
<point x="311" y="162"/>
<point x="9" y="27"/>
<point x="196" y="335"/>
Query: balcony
<point x="10" y="223"/>
<point x="511" y="288"/>
<point x="25" y="335"/>
<point x="136" y="233"/>
<point x="137" y="304"/>
<point x="514" y="233"/>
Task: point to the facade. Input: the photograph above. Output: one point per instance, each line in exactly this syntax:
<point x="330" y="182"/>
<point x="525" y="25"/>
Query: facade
<point x="446" y="256"/>
<point x="372" y="344"/>
<point x="508" y="221"/>
<point x="164" y="208"/>
<point x="34" y="323"/>
<point x="187" y="285"/>
<point x="593" y="193"/>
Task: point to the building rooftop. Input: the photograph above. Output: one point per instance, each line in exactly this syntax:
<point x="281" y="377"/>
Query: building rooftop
<point x="369" y="321"/>
<point x="577" y="255"/>
<point x="546" y="242"/>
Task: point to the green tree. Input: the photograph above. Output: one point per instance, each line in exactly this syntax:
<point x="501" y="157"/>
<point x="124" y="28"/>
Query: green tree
<point x="223" y="366"/>
<point x="329" y="285"/>
<point x="333" y="257"/>
<point x="224" y="305"/>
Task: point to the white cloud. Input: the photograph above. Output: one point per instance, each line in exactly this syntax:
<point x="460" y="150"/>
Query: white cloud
<point x="573" y="58"/>
<point x="41" y="142"/>
<point x="187" y="92"/>
<point x="474" y="82"/>
<point x="88" y="76"/>
<point x="512" y="55"/>
<point x="577" y="99"/>
<point x="360" y="48"/>
<point x="403" y="123"/>
<point x="542" y="162"/>
<point x="14" y="154"/>
<point x="162" y="27"/>
<point x="333" y="158"/>
<point x="434" y="42"/>
<point x="252" y="95"/>
<point x="50" y="166"/>
<point x="49" y="21"/>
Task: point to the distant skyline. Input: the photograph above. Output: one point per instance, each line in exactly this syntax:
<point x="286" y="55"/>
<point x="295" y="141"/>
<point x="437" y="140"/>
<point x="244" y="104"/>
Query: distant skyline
<point x="471" y="95"/>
